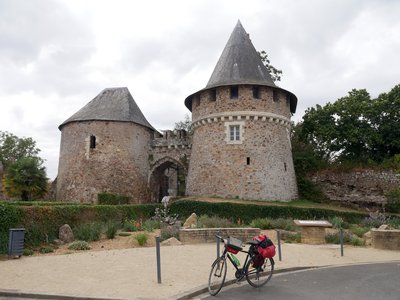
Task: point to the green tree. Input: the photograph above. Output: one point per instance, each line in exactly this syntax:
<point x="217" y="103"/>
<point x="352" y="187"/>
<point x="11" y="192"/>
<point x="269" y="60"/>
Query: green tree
<point x="26" y="179"/>
<point x="274" y="72"/>
<point x="355" y="127"/>
<point x="13" y="148"/>
<point x="185" y="124"/>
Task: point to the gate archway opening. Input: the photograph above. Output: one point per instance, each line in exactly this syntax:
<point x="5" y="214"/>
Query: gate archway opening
<point x="167" y="178"/>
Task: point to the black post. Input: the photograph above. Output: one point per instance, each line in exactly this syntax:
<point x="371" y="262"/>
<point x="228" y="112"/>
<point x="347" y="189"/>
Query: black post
<point x="218" y="241"/>
<point x="341" y="242"/>
<point x="279" y="244"/>
<point x="158" y="259"/>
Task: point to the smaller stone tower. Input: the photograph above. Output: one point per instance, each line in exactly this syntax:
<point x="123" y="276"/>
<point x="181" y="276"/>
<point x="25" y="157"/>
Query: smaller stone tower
<point x="104" y="148"/>
<point x="241" y="144"/>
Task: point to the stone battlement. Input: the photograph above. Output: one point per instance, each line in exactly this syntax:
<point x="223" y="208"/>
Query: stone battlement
<point x="172" y="139"/>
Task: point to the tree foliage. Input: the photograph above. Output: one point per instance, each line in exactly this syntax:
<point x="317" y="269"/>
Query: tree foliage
<point x="185" y="124"/>
<point x="13" y="148"/>
<point x="26" y="179"/>
<point x="355" y="127"/>
<point x="274" y="72"/>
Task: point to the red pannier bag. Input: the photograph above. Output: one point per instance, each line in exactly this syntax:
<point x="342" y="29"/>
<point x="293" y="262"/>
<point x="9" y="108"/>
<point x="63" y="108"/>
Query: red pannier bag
<point x="266" y="248"/>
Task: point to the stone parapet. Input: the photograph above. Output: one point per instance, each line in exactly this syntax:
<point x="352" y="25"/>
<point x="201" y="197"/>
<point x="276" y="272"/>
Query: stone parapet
<point x="385" y="239"/>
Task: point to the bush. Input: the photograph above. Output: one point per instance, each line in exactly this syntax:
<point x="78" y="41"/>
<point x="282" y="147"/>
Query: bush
<point x="285" y="224"/>
<point x="28" y="252"/>
<point x="169" y="231"/>
<point x="130" y="226"/>
<point x="111" y="230"/>
<point x="46" y="249"/>
<point x="149" y="225"/>
<point x="249" y="212"/>
<point x="112" y="199"/>
<point x="124" y="234"/>
<point x="87" y="232"/>
<point x="359" y="231"/>
<point x="393" y="201"/>
<point x="291" y="237"/>
<point x="262" y="223"/>
<point x="142" y="239"/>
<point x="205" y="221"/>
<point x="79" y="245"/>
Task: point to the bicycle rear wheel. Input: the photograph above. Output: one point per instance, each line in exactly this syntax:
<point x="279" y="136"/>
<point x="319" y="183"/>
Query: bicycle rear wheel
<point x="259" y="276"/>
<point x="217" y="275"/>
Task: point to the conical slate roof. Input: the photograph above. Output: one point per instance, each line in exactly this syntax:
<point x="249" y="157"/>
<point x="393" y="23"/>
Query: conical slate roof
<point x="112" y="104"/>
<point x="240" y="63"/>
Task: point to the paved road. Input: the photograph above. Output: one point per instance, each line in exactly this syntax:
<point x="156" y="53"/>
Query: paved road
<point x="366" y="282"/>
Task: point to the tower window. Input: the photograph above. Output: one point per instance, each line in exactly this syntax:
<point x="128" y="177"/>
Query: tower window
<point x="92" y="142"/>
<point x="285" y="166"/>
<point x="213" y="95"/>
<point x="248" y="160"/>
<point x="275" y="96"/>
<point x="234" y="92"/>
<point x="288" y="99"/>
<point x="234" y="133"/>
<point x="256" y="92"/>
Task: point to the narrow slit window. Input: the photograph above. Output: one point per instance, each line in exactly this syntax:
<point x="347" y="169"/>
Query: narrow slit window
<point x="275" y="96"/>
<point x="248" y="160"/>
<point x="285" y="166"/>
<point x="256" y="92"/>
<point x="92" y="142"/>
<point x="234" y="92"/>
<point x="213" y="95"/>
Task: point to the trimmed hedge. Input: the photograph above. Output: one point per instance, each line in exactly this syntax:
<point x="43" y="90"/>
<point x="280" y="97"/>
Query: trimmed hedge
<point x="248" y="212"/>
<point x="112" y="199"/>
<point x="42" y="222"/>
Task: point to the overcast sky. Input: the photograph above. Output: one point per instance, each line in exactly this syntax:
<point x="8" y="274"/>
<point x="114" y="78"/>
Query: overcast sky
<point x="55" y="56"/>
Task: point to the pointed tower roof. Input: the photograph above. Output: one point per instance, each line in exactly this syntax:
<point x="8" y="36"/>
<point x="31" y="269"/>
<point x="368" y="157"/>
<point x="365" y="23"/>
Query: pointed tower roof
<point x="112" y="104"/>
<point x="240" y="63"/>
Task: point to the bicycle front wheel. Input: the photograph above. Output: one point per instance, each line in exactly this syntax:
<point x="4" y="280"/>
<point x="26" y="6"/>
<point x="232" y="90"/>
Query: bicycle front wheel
<point x="217" y="275"/>
<point x="259" y="275"/>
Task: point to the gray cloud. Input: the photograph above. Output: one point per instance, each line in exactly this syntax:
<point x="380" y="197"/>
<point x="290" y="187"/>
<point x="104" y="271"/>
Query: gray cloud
<point x="55" y="56"/>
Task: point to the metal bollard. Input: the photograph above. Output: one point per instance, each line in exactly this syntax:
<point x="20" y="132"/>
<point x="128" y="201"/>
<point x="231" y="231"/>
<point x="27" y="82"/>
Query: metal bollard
<point x="279" y="244"/>
<point x="218" y="242"/>
<point x="341" y="242"/>
<point x="158" y="259"/>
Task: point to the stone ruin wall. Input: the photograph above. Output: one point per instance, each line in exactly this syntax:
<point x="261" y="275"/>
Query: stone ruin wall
<point x="364" y="187"/>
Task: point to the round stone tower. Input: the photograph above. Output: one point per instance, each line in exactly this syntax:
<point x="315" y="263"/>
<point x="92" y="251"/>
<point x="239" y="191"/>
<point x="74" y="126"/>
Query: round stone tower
<point x="241" y="144"/>
<point x="104" y="148"/>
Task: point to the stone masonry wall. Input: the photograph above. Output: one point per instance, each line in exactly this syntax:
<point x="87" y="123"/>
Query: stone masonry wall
<point x="259" y="167"/>
<point x="363" y="187"/>
<point x="119" y="163"/>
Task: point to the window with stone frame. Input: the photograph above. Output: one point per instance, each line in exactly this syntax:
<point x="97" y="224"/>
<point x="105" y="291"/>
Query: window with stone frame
<point x="234" y="132"/>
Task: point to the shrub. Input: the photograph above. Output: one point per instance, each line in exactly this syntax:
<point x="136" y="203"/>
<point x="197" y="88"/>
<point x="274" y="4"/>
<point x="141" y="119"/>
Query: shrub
<point x="169" y="231"/>
<point x="79" y="245"/>
<point x="111" y="230"/>
<point x="393" y="201"/>
<point x="359" y="231"/>
<point x="46" y="249"/>
<point x="285" y="224"/>
<point x="112" y="199"/>
<point x="262" y="223"/>
<point x="124" y="234"/>
<point x="149" y="225"/>
<point x="130" y="226"/>
<point x="142" y="239"/>
<point x="249" y="212"/>
<point x="334" y="238"/>
<point x="87" y="232"/>
<point x="205" y="221"/>
<point x="291" y="237"/>
<point x="28" y="252"/>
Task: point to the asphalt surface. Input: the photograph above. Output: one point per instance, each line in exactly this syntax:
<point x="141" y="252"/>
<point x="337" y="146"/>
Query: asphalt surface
<point x="366" y="282"/>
